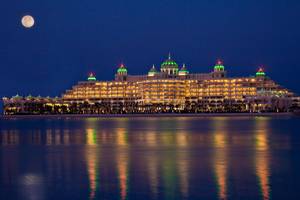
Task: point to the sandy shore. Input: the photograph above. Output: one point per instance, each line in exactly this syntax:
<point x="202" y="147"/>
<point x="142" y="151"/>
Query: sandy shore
<point x="150" y="115"/>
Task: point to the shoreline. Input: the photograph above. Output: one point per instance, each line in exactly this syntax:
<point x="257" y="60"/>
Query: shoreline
<point x="151" y="115"/>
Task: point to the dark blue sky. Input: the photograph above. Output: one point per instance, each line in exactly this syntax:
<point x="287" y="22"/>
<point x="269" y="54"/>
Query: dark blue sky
<point x="72" y="38"/>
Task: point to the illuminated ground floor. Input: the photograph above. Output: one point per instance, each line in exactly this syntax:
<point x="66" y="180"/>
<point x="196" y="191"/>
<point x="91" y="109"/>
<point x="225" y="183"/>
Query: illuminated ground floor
<point x="37" y="105"/>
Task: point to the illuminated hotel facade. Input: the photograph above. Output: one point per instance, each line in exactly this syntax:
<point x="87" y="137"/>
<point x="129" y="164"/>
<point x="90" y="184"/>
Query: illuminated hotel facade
<point x="171" y="89"/>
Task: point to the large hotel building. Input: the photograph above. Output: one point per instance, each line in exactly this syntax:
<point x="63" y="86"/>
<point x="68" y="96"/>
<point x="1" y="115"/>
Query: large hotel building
<point x="172" y="88"/>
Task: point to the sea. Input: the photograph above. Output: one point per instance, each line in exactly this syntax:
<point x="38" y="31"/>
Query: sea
<point x="200" y="157"/>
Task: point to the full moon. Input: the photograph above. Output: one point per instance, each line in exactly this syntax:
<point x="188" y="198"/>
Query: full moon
<point x="27" y="21"/>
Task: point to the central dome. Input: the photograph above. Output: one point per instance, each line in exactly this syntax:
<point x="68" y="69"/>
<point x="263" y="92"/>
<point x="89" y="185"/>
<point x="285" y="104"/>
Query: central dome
<point x="169" y="66"/>
<point x="169" y="63"/>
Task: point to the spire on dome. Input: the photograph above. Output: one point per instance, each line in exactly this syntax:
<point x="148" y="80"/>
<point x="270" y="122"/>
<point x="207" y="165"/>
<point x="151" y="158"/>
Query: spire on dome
<point x="219" y="62"/>
<point x="169" y="66"/>
<point x="152" y="71"/>
<point x="169" y="62"/>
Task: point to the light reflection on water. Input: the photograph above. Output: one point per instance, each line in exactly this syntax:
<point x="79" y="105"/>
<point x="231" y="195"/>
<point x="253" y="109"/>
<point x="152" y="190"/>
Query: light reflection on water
<point x="220" y="156"/>
<point x="262" y="157"/>
<point x="140" y="158"/>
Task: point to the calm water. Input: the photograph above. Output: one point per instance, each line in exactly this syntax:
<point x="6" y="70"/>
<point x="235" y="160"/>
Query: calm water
<point x="150" y="158"/>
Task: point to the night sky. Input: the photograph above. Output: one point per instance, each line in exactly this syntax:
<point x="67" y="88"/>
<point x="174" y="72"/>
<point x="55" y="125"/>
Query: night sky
<point x="72" y="38"/>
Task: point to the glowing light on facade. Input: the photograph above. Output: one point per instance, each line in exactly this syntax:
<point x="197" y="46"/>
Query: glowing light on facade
<point x="167" y="90"/>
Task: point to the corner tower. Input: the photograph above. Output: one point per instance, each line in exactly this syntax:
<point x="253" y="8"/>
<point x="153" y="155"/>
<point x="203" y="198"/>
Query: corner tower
<point x="152" y="71"/>
<point x="260" y="74"/>
<point x="219" y="70"/>
<point x="91" y="77"/>
<point x="183" y="71"/>
<point x="121" y="74"/>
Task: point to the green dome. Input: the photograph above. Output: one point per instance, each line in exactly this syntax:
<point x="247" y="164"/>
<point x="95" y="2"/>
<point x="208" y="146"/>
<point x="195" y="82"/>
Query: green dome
<point x="260" y="72"/>
<point x="183" y="70"/>
<point x="219" y="66"/>
<point x="122" y="69"/>
<point x="92" y="77"/>
<point x="169" y="63"/>
<point x="152" y="71"/>
<point x="17" y="96"/>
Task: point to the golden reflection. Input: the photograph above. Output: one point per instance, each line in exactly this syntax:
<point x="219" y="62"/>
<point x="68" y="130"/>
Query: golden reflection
<point x="152" y="164"/>
<point x="10" y="137"/>
<point x="151" y="138"/>
<point x="92" y="157"/>
<point x="122" y="164"/>
<point x="262" y="156"/>
<point x="182" y="139"/>
<point x="183" y="169"/>
<point x="122" y="137"/>
<point x="57" y="137"/>
<point x="183" y="162"/>
<point x="49" y="137"/>
<point x="54" y="137"/>
<point x="176" y="164"/>
<point x="220" y="142"/>
<point x="167" y="138"/>
<point x="92" y="162"/>
<point x="66" y="137"/>
<point x="36" y="137"/>
<point x="169" y="175"/>
<point x="91" y="136"/>
<point x="122" y="159"/>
